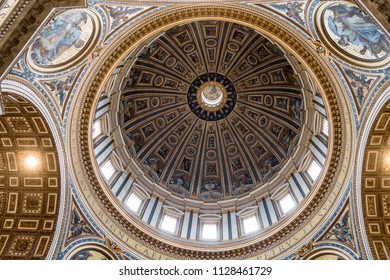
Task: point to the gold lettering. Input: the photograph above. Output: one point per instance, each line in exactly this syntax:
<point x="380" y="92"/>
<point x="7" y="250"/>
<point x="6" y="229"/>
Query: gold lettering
<point x="101" y="215"/>
<point x="6" y="5"/>
<point x="137" y="245"/>
<point x="113" y="230"/>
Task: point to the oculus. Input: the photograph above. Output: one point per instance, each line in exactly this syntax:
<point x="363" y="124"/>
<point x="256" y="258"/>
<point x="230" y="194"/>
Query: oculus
<point x="211" y="97"/>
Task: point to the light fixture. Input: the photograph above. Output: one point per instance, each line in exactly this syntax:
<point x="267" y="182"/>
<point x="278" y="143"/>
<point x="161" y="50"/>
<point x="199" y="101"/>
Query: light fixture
<point x="31" y="162"/>
<point x="386" y="162"/>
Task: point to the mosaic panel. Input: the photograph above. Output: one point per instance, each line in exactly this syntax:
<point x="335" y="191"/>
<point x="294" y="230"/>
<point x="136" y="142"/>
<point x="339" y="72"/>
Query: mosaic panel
<point x="355" y="32"/>
<point x="294" y="10"/>
<point x="62" y="38"/>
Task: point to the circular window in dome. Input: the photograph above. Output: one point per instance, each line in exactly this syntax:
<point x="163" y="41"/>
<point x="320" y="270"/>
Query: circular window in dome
<point x="211" y="96"/>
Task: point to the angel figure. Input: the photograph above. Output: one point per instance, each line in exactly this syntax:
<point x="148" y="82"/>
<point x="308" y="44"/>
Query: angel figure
<point x="293" y="10"/>
<point x="78" y="226"/>
<point x="341" y="231"/>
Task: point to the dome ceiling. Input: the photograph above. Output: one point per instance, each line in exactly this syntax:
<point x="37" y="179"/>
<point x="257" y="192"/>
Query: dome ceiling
<point x="211" y="109"/>
<point x="207" y="139"/>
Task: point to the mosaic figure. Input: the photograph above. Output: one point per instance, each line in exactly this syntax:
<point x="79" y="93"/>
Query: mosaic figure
<point x="244" y="184"/>
<point x="361" y="83"/>
<point x="132" y="78"/>
<point x="287" y="139"/>
<point x="120" y="14"/>
<point x="352" y="27"/>
<point x="163" y="152"/>
<point x="296" y="104"/>
<point x="179" y="185"/>
<point x="151" y="168"/>
<point x="293" y="10"/>
<point x="78" y="226"/>
<point x="89" y="255"/>
<point x="133" y="142"/>
<point x="127" y="108"/>
<point x="212" y="189"/>
<point x="267" y="165"/>
<point x="59" y="35"/>
<point x="341" y="230"/>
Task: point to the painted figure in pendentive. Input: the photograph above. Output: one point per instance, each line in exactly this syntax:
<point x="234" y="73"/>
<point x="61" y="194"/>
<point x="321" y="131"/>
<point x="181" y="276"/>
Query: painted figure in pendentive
<point x="292" y="9"/>
<point x="342" y="231"/>
<point x="360" y="82"/>
<point x="120" y="14"/>
<point x="60" y="88"/>
<point x="58" y="36"/>
<point x="78" y="226"/>
<point x="353" y="27"/>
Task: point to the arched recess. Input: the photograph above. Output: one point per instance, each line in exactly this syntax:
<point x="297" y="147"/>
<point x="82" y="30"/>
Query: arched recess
<point x="372" y="186"/>
<point x="45" y="135"/>
<point x="330" y="252"/>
